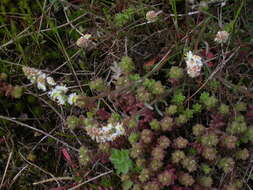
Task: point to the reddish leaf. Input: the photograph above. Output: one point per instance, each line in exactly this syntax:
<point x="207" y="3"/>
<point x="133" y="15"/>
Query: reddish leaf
<point x="251" y="61"/>
<point x="208" y="55"/>
<point x="68" y="157"/>
<point x="2" y="140"/>
<point x="150" y="63"/>
<point x="103" y="115"/>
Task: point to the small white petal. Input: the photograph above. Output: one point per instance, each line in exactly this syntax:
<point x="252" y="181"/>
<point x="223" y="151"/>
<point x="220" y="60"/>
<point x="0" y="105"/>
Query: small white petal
<point x="63" y="89"/>
<point x="41" y="82"/>
<point x="72" y="98"/>
<point x="51" y="81"/>
<point x="58" y="94"/>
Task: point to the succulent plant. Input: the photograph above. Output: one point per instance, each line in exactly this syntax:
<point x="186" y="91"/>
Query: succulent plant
<point x="205" y="168"/>
<point x="210" y="139"/>
<point x="163" y="142"/>
<point x="171" y="110"/>
<point x="238" y="126"/>
<point x="236" y="185"/>
<point x="226" y="164"/>
<point x="143" y="95"/>
<point x="197" y="108"/>
<point x="140" y="162"/>
<point x="158" y="153"/>
<point x="84" y="157"/>
<point x="180" y="143"/>
<point x="188" y="113"/>
<point x="155" y="165"/>
<point x="241" y="106"/>
<point x="137" y="187"/>
<point x="176" y="72"/>
<point x="127" y="64"/>
<point x="73" y="122"/>
<point x="155" y="125"/>
<point x="178" y="98"/>
<point x="104" y="147"/>
<point x="97" y="84"/>
<point x="132" y="123"/>
<point x="205" y="181"/>
<point x="167" y="123"/>
<point x="185" y="179"/>
<point x="144" y="175"/>
<point x="181" y="119"/>
<point x="136" y="150"/>
<point x="224" y="109"/>
<point x="133" y="137"/>
<point x="198" y="129"/>
<point x="17" y="92"/>
<point x="228" y="142"/>
<point x="211" y="102"/>
<point x="3" y="76"/>
<point x="189" y="163"/>
<point x="177" y="156"/>
<point x="242" y="154"/>
<point x="166" y="178"/>
<point x="209" y="153"/>
<point x="146" y="136"/>
<point x="152" y="185"/>
<point x="158" y="88"/>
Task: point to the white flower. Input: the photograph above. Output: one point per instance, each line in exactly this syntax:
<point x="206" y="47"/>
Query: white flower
<point x="72" y="98"/>
<point x="151" y="16"/>
<point x="192" y="60"/>
<point x="106" y="133"/>
<point x="62" y="88"/>
<point x="41" y="82"/>
<point x="193" y="71"/>
<point x="51" y="81"/>
<point x="58" y="94"/>
<point x="83" y="41"/>
<point x="37" y="76"/>
<point x="117" y="71"/>
<point x="31" y="73"/>
<point x="193" y="64"/>
<point x="221" y="37"/>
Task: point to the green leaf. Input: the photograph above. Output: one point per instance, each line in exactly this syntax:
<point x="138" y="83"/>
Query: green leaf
<point x="121" y="161"/>
<point x="127" y="185"/>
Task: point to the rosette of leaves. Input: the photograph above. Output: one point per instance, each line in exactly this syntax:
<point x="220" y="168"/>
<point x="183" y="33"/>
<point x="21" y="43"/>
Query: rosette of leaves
<point x="121" y="160"/>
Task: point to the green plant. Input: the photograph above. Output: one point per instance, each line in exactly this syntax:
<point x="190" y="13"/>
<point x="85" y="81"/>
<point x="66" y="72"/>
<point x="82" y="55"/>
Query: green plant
<point x="121" y="161"/>
<point x="124" y="17"/>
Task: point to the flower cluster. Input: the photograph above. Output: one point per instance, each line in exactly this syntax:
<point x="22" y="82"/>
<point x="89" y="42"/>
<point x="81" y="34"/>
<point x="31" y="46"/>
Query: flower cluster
<point x="193" y="63"/>
<point x="151" y="16"/>
<point x="37" y="76"/>
<point x="84" y="41"/>
<point x="106" y="133"/>
<point x="221" y="37"/>
<point x="57" y="92"/>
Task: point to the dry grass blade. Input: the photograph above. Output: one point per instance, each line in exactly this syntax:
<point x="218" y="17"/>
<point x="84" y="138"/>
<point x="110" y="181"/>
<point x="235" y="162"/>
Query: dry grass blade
<point x="37" y="130"/>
